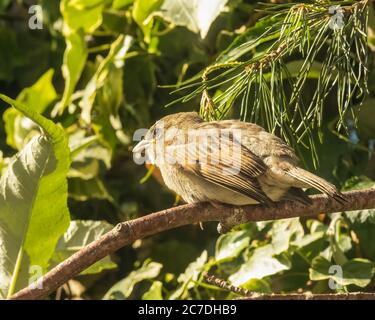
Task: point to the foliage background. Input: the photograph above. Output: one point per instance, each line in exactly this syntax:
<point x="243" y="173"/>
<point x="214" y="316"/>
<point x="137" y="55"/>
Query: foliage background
<point x="97" y="68"/>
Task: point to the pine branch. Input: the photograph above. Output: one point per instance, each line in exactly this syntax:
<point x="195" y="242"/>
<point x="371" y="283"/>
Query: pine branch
<point x="127" y="232"/>
<point x="263" y="86"/>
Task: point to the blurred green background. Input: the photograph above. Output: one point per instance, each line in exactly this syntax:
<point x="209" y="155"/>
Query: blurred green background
<point x="98" y="68"/>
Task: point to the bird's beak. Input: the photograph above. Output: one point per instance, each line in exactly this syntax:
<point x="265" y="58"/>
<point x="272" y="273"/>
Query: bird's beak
<point x="141" y="146"/>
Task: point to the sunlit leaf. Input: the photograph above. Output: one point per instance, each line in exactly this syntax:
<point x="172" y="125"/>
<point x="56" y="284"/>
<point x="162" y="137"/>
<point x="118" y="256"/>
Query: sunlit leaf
<point x="38" y="97"/>
<point x="155" y="292"/>
<point x="30" y="223"/>
<point x="142" y="10"/>
<point x="117" y="4"/>
<point x="75" y="56"/>
<point x="79" y="234"/>
<point x="231" y="244"/>
<point x="124" y="288"/>
<point x="104" y="93"/>
<point x="85" y="14"/>
<point x="283" y="232"/>
<point x="260" y="264"/>
<point x="196" y="15"/>
<point x="190" y="275"/>
<point x="357" y="271"/>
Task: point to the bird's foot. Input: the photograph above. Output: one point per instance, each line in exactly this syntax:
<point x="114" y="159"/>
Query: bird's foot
<point x="224" y="225"/>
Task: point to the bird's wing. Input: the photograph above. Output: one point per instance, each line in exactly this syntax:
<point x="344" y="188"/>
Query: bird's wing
<point x="311" y="180"/>
<point x="224" y="162"/>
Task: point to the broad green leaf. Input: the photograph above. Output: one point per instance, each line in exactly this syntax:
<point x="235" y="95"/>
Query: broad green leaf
<point x="283" y="232"/>
<point x="196" y="15"/>
<point x="231" y="244"/>
<point x="311" y="245"/>
<point x="30" y="223"/>
<point x="38" y="97"/>
<point x="82" y="14"/>
<point x="75" y="56"/>
<point x="87" y="154"/>
<point x="357" y="271"/>
<point x="142" y="12"/>
<point x="191" y="274"/>
<point x="124" y="288"/>
<point x="155" y="292"/>
<point x="260" y="264"/>
<point x="79" y="234"/>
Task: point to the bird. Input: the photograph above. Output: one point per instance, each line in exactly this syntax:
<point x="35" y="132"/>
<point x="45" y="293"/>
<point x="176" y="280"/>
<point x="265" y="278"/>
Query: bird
<point x="227" y="162"/>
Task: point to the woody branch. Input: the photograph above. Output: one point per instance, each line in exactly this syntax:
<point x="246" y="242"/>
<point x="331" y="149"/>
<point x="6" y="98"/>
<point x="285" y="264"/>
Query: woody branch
<point x="127" y="232"/>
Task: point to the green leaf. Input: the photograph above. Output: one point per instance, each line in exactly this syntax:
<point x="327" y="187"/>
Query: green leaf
<point x="79" y="234"/>
<point x="142" y="12"/>
<point x="190" y="275"/>
<point x="104" y="93"/>
<point x="82" y="190"/>
<point x="231" y="244"/>
<point x="82" y="14"/>
<point x="260" y="264"/>
<point x="258" y="285"/>
<point x="366" y="235"/>
<point x="30" y="224"/>
<point x="87" y="155"/>
<point x="357" y="271"/>
<point x="283" y="232"/>
<point x="114" y="61"/>
<point x="123" y="289"/>
<point x="361" y="216"/>
<point x="118" y="4"/>
<point x="38" y="97"/>
<point x="358" y="183"/>
<point x="155" y="292"/>
<point x="75" y="56"/>
<point x="311" y="245"/>
<point x="196" y="15"/>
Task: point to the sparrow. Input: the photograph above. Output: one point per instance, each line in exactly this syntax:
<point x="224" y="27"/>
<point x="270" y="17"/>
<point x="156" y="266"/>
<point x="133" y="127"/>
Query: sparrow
<point x="227" y="162"/>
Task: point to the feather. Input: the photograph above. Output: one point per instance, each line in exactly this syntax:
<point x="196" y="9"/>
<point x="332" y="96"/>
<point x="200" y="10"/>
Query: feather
<point x="316" y="182"/>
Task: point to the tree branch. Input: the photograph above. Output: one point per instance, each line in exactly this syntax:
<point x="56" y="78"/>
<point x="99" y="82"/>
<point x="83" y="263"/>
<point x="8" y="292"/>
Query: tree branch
<point x="248" y="295"/>
<point x="127" y="232"/>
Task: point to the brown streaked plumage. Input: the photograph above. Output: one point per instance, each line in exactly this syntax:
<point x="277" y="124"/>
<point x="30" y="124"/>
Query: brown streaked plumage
<point x="230" y="162"/>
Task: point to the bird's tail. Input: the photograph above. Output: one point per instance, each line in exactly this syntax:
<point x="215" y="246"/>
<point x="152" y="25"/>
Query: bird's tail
<point x="316" y="182"/>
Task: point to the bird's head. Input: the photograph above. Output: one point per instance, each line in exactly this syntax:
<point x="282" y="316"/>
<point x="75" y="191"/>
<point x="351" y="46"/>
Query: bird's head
<point x="164" y="132"/>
